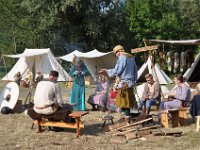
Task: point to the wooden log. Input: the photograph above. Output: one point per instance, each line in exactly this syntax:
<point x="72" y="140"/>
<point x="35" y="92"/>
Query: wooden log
<point x="131" y="135"/>
<point x="158" y="133"/>
<point x="142" y="117"/>
<point x="140" y="129"/>
<point x="133" y="124"/>
<point x="167" y="133"/>
<point x="113" y="127"/>
<point x="143" y="49"/>
<point x="127" y="131"/>
<point x="172" y="133"/>
<point x="142" y="133"/>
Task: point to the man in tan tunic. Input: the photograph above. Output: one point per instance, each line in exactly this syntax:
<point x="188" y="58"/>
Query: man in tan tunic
<point x="151" y="94"/>
<point x="47" y="98"/>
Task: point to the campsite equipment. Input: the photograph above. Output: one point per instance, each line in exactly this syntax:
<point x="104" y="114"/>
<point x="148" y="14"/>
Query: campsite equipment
<point x="36" y="60"/>
<point x="107" y="118"/>
<point x="11" y="90"/>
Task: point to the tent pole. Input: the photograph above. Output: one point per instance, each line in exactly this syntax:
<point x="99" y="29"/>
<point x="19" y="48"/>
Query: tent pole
<point x="4" y="63"/>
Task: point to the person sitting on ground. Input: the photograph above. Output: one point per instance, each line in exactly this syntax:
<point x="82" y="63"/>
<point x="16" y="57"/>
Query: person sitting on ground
<point x="30" y="78"/>
<point x="48" y="99"/>
<point x="100" y="97"/>
<point x="151" y="94"/>
<point x="18" y="78"/>
<point x="39" y="77"/>
<point x="178" y="95"/>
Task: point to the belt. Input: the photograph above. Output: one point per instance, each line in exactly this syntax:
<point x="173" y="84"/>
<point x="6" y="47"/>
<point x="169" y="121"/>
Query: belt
<point x="43" y="106"/>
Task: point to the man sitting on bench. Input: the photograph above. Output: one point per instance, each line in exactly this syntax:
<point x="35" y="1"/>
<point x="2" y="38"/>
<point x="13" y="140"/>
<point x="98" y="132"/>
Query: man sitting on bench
<point x="48" y="100"/>
<point x="151" y="94"/>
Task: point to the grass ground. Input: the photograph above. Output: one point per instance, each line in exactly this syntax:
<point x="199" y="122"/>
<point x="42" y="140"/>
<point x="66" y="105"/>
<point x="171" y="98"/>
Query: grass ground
<point x="16" y="133"/>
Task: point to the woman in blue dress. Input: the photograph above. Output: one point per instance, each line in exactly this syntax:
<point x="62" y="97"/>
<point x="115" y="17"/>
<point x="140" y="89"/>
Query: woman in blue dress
<point x="77" y="72"/>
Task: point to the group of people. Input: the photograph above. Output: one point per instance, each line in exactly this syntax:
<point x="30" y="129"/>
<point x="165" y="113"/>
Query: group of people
<point x="178" y="97"/>
<point x="48" y="99"/>
<point x="28" y="81"/>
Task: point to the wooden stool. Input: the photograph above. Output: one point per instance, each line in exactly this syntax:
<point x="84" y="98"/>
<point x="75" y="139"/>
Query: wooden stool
<point x="107" y="118"/>
<point x="164" y="118"/>
<point x="197" y="123"/>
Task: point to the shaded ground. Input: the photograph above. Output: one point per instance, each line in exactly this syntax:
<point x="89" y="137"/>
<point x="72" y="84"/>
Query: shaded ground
<point x="16" y="133"/>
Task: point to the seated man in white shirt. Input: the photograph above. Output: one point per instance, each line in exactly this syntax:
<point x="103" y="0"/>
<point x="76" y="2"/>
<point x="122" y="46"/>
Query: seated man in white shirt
<point x="48" y="99"/>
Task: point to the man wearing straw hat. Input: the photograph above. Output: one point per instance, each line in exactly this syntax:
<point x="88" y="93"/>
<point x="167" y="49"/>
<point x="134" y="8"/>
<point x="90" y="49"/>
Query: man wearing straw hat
<point x="126" y="70"/>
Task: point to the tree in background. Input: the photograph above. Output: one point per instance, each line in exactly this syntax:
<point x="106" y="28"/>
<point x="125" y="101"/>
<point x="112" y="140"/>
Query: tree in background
<point x="63" y="25"/>
<point x="66" y="25"/>
<point x="151" y="19"/>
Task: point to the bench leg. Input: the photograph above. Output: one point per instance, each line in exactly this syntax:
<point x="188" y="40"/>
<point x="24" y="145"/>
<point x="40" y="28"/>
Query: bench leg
<point x="182" y="117"/>
<point x="39" y="126"/>
<point x="197" y="123"/>
<point x="32" y="126"/>
<point x="175" y="119"/>
<point x="78" y="130"/>
<point x="164" y="119"/>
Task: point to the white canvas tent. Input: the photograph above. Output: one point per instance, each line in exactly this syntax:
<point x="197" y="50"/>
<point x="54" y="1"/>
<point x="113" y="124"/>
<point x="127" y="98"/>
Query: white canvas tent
<point x="147" y="68"/>
<point x="37" y="60"/>
<point x="94" y="60"/>
<point x="192" y="74"/>
<point x="70" y="56"/>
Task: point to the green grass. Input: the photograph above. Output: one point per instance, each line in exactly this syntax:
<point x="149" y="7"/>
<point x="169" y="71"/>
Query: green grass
<point x="16" y="133"/>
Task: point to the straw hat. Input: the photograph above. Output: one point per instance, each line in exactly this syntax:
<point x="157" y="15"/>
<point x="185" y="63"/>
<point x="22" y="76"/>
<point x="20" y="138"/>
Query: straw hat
<point x="118" y="48"/>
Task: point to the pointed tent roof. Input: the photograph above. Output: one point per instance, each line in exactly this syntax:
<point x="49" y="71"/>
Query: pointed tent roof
<point x="192" y="74"/>
<point x="39" y="60"/>
<point x="94" y="60"/>
<point x="70" y="56"/>
<point x="147" y="68"/>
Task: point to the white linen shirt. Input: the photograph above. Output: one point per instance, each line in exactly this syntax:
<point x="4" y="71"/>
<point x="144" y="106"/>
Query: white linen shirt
<point x="46" y="94"/>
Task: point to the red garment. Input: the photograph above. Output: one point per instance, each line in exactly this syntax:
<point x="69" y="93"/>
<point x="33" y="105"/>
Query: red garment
<point x="113" y="95"/>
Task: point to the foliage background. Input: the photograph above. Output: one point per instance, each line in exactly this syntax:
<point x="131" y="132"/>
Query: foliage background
<point x="66" y="25"/>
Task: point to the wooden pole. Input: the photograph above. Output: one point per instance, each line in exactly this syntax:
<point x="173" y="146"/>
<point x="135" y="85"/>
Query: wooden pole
<point x="4" y="62"/>
<point x="140" y="129"/>
<point x="133" y="124"/>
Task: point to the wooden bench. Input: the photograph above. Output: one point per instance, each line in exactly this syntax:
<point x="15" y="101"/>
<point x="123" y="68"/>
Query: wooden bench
<point x="178" y="119"/>
<point x="77" y="125"/>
